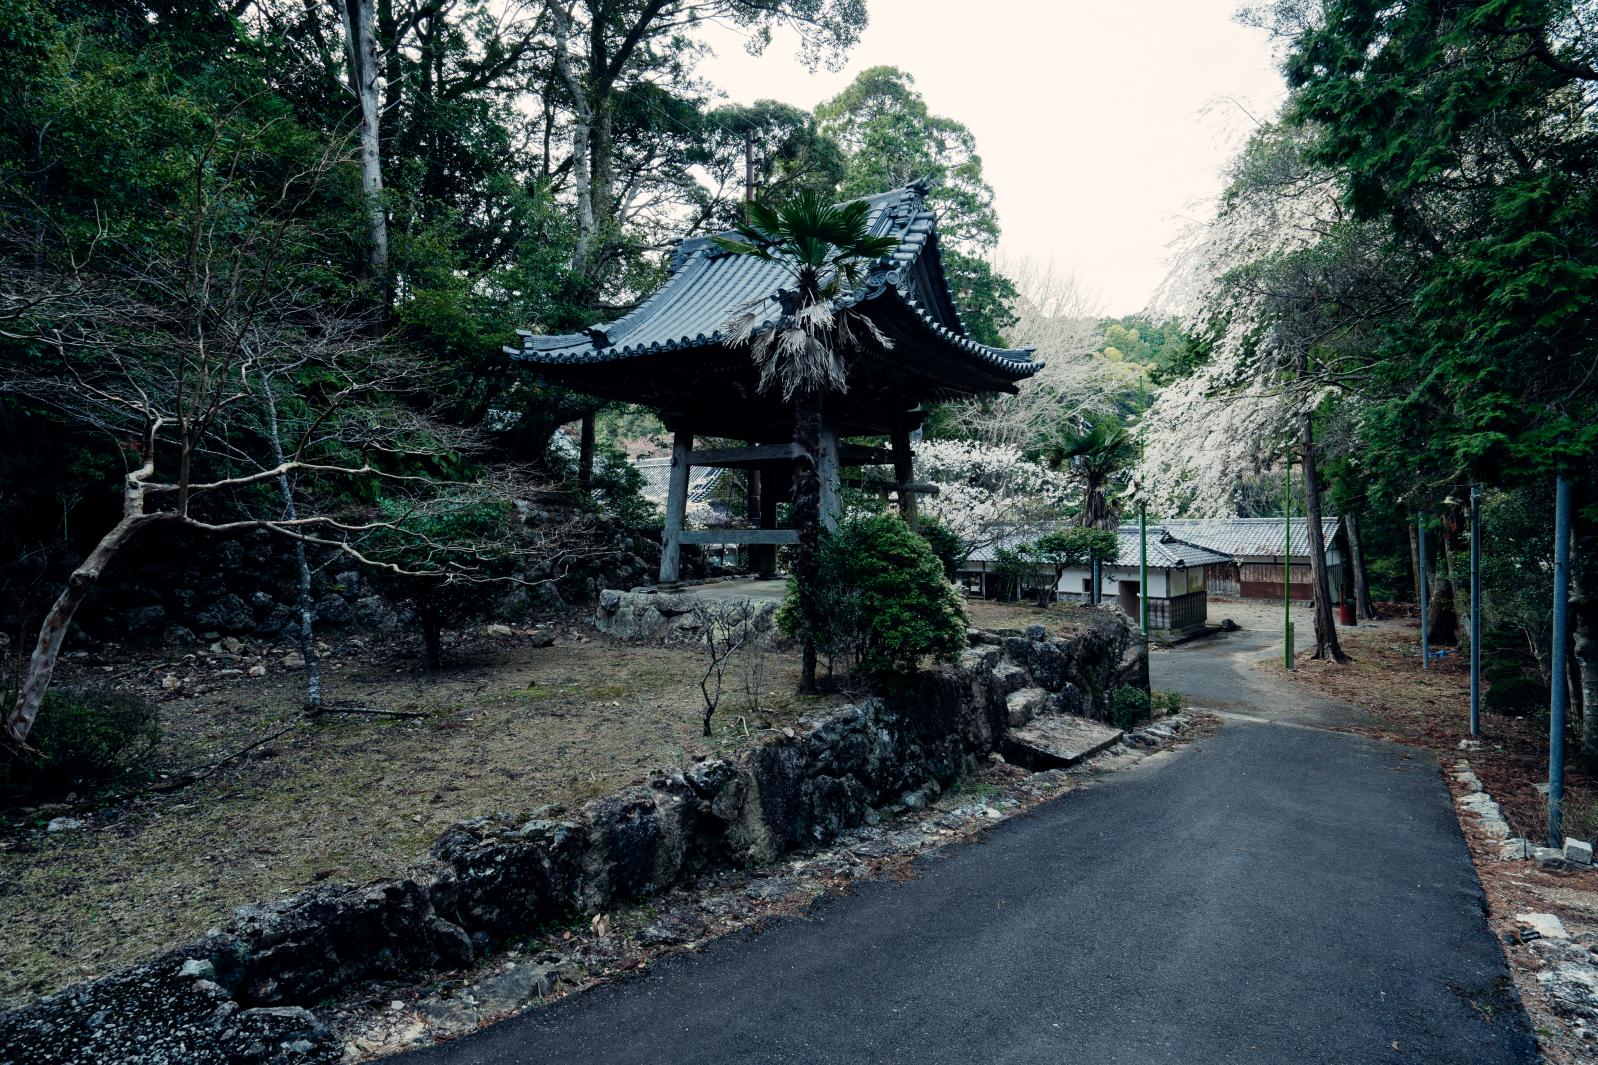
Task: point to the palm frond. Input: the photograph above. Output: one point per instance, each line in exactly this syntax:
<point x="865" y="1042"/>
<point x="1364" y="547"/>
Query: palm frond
<point x="828" y="248"/>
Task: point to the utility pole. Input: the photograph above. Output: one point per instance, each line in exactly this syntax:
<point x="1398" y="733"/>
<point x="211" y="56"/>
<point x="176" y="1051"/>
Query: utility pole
<point x="1475" y="612"/>
<point x="1425" y="636"/>
<point x="1142" y="522"/>
<point x="1143" y="567"/>
<point x="1287" y="558"/>
<point x="1556" y="697"/>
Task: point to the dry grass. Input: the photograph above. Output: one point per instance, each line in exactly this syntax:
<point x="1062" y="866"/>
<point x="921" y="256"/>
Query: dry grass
<point x="1061" y="619"/>
<point x="507" y="727"/>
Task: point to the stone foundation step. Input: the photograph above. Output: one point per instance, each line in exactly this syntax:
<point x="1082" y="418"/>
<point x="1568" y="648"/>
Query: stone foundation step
<point x="1058" y="741"/>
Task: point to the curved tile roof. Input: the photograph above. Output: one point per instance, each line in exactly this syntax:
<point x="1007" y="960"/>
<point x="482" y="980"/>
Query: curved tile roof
<point x="1165" y="550"/>
<point x="707" y="285"/>
<point x="1245" y="537"/>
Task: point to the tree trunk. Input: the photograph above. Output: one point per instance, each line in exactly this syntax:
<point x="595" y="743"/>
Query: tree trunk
<point x="432" y="639"/>
<point x="53" y="630"/>
<point x="1326" y="643"/>
<point x="1584" y="643"/>
<point x="1362" y="592"/>
<point x="807" y="521"/>
<point x="360" y="48"/>
<point x="1414" y="557"/>
<point x="585" y="455"/>
<point x="313" y="664"/>
<point x="1442" y="618"/>
<point x="581" y="133"/>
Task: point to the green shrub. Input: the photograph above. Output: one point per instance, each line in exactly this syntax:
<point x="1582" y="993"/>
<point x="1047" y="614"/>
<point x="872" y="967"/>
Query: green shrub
<point x="84" y="739"/>
<point x="1009" y="571"/>
<point x="945" y="543"/>
<point x="1511" y="689"/>
<point x="885" y="598"/>
<point x="1167" y="702"/>
<point x="1128" y="707"/>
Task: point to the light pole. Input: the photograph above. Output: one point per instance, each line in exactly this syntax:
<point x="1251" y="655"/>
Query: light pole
<point x="1475" y="612"/>
<point x="1287" y="559"/>
<point x="1143" y="521"/>
<point x="1556" y="697"/>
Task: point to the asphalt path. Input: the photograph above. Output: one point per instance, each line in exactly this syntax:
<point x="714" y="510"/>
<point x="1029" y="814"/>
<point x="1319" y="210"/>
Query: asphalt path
<point x="1272" y="893"/>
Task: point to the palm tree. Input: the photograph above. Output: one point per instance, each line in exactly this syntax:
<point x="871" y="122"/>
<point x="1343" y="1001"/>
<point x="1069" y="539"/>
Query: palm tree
<point x="799" y="351"/>
<point x="1096" y="454"/>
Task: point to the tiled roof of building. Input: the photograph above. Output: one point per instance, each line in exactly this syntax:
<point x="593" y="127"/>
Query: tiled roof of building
<point x="1165" y="551"/>
<point x="702" y="480"/>
<point x="1246" y="537"/>
<point x="707" y="285"/>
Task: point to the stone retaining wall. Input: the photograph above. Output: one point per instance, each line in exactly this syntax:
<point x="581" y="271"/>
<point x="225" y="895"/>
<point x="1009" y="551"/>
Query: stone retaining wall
<point x="240" y="995"/>
<point x="653" y="616"/>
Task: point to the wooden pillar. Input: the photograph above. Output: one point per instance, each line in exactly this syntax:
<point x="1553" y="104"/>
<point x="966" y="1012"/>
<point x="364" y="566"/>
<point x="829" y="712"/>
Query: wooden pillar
<point x="904" y="474"/>
<point x="682" y="446"/>
<point x="831" y="476"/>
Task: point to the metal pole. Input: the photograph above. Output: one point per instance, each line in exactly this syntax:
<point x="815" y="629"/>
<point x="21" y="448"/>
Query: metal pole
<point x="1556" y="698"/>
<point x="1425" y="636"/>
<point x="1475" y="612"/>
<point x="1287" y="560"/>
<point x="1098" y="581"/>
<point x="1143" y="566"/>
<point x="1143" y="518"/>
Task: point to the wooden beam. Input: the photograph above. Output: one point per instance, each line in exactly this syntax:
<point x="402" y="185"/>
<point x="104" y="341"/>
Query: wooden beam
<point x="671" y="538"/>
<point x="904" y="473"/>
<point x="730" y="457"/>
<point x="740" y="536"/>
<point x="831" y="475"/>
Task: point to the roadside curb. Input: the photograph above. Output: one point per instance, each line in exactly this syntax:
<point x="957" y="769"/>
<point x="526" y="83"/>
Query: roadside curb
<point x="1489" y="818"/>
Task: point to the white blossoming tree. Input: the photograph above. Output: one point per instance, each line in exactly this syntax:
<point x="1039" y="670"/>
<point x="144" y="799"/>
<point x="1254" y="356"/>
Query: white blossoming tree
<point x="987" y="490"/>
<point x="1061" y="323"/>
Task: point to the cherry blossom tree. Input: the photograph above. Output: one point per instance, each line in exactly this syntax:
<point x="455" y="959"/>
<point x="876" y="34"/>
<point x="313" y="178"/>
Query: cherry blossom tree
<point x="987" y="491"/>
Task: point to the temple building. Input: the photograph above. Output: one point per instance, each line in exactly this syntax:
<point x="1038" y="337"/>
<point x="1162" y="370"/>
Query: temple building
<point x="667" y="354"/>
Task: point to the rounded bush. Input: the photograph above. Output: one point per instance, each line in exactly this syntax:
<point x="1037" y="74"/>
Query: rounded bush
<point x="86" y="738"/>
<point x="885" y="601"/>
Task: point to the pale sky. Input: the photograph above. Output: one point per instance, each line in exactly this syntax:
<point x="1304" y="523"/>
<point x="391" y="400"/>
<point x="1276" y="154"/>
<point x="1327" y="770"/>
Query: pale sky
<point x="1103" y="126"/>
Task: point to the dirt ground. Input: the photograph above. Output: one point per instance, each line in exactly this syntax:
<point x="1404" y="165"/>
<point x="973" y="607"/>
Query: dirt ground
<point x="1061" y="619"/>
<point x="506" y="726"/>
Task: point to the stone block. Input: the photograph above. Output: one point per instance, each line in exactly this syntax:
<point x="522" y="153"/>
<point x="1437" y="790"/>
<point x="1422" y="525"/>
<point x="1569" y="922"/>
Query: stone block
<point x="1009" y="677"/>
<point x="1578" y="851"/>
<point x="1024" y="705"/>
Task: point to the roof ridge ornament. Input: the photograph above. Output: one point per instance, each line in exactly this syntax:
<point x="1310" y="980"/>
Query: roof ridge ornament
<point x="921" y="185"/>
<point x="600" y="340"/>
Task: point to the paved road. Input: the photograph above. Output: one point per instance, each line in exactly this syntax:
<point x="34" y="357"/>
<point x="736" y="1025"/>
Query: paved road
<point x="1272" y="894"/>
<point x="1222" y="673"/>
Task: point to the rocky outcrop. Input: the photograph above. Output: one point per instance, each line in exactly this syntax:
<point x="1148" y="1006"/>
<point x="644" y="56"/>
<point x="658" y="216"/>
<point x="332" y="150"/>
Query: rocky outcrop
<point x="497" y="877"/>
